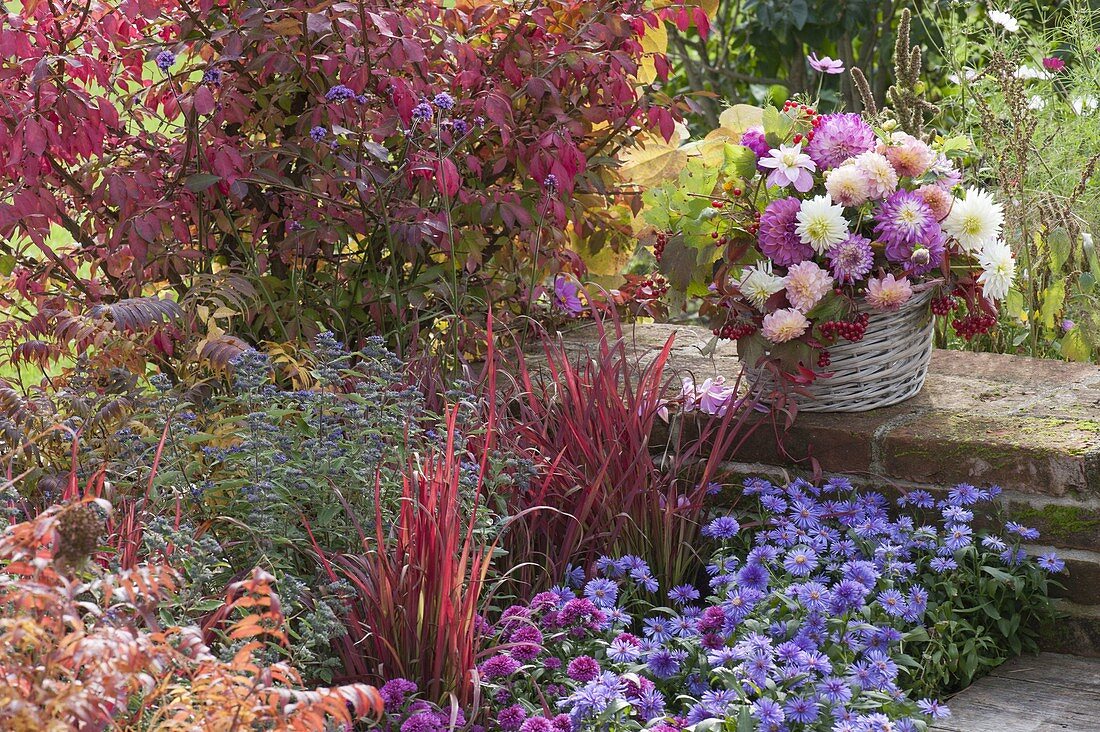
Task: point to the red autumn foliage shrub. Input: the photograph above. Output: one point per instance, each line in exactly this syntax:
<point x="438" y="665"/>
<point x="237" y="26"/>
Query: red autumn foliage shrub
<point x="355" y="163"/>
<point x="81" y="647"/>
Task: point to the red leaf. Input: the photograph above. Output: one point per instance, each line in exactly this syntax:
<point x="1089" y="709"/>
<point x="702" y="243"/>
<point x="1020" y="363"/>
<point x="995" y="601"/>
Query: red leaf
<point x="447" y="177"/>
<point x="34" y="137"/>
<point x="204" y="100"/>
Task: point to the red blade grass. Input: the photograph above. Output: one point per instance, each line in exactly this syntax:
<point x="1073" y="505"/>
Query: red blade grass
<point x="605" y="486"/>
<point x="418" y="589"/>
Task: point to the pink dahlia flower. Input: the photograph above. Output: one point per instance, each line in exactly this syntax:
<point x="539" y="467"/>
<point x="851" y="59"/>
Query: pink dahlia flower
<point x="839" y="137"/>
<point x="784" y="325"/>
<point x="888" y="293"/>
<point x="807" y="283"/>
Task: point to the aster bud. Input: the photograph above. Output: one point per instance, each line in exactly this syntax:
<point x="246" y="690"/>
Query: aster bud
<point x="920" y="256"/>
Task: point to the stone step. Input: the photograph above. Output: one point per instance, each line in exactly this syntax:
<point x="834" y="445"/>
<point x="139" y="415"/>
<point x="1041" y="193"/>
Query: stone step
<point x="1045" y="693"/>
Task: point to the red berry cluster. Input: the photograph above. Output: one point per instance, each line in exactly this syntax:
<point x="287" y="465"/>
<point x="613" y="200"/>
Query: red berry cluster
<point x="944" y="305"/>
<point x="824" y="359"/>
<point x="806" y="112"/>
<point x="735" y="331"/>
<point x="851" y="330"/>
<point x="969" y="326"/>
<point x="753" y="227"/>
<point x="659" y="245"/>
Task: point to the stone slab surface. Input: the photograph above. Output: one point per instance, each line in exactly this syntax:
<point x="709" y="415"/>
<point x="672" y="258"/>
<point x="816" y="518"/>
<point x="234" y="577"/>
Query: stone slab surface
<point x="1029" y="425"/>
<point x="1046" y="693"/>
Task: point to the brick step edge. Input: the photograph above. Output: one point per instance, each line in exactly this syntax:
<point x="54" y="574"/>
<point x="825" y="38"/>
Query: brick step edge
<point x="1077" y="631"/>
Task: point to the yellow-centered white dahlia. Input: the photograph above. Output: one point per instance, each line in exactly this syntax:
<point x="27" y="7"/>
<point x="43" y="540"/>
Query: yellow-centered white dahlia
<point x="998" y="269"/>
<point x="821" y="223"/>
<point x="974" y="220"/>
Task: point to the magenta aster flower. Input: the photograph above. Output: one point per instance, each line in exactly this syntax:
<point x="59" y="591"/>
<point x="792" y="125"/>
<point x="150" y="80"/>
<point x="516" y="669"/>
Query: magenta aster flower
<point x="583" y="669"/>
<point x="905" y="220"/>
<point x="839" y="137"/>
<point x="778" y="239"/>
<point x="851" y="259"/>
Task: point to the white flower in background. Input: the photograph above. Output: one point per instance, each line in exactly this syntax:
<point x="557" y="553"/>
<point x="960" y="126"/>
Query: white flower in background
<point x="1036" y="102"/>
<point x="974" y="220"/>
<point x="969" y="74"/>
<point x="1086" y="241"/>
<point x="758" y="283"/>
<point x="1031" y="72"/>
<point x="821" y="223"/>
<point x="1084" y="104"/>
<point x="1004" y="20"/>
<point x="998" y="269"/>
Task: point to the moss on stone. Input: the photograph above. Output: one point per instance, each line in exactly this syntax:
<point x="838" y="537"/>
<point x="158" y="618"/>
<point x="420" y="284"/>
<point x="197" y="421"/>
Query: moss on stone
<point x="1058" y="521"/>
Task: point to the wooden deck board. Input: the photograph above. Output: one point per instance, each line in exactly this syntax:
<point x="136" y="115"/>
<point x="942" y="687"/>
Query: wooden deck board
<point x="1045" y="693"/>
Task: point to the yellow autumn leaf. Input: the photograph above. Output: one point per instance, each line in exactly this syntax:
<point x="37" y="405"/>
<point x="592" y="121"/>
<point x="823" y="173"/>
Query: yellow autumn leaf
<point x="740" y="117"/>
<point x="654" y="41"/>
<point x="652" y="161"/>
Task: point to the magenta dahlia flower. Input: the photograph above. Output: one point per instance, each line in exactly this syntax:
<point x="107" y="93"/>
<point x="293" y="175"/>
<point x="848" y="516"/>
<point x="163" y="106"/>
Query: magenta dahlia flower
<point x="753" y="139"/>
<point x="851" y="259"/>
<point x="839" y="137"/>
<point x="778" y="240"/>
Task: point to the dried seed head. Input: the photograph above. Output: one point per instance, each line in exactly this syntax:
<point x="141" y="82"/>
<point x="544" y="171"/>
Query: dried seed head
<point x="78" y="528"/>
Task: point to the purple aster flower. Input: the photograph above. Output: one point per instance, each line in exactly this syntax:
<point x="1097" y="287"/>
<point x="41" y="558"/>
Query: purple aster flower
<point x="933" y="709"/>
<point x="621" y="650"/>
<point x="602" y="591"/>
<point x="778" y="240"/>
<point x="802" y="710"/>
<point x="212" y="76"/>
<point x="422" y="722"/>
<point x="644" y="579"/>
<point x="339" y="93"/>
<point x="724" y="527"/>
<point x="583" y="669"/>
<point x="958" y="536"/>
<point x="753" y="576"/>
<point x="839" y="137"/>
<point x="657" y="628"/>
<point x="1022" y="531"/>
<point x="510" y="719"/>
<point x="444" y="101"/>
<point x="943" y="564"/>
<point x="664" y="663"/>
<point x="574" y="576"/>
<point x="562" y="723"/>
<point x="318" y="133"/>
<point x="893" y="602"/>
<point x="835" y="690"/>
<point x="164" y="60"/>
<point x="683" y="594"/>
<point x="394" y="691"/>
<point x="806" y="513"/>
<point x="768" y="713"/>
<point x="498" y="667"/>
<point x="800" y="561"/>
<point x="851" y="260"/>
<point x="1051" y="562"/>
<point x="537" y="724"/>
<point x="422" y="111"/>
<point x="650" y="704"/>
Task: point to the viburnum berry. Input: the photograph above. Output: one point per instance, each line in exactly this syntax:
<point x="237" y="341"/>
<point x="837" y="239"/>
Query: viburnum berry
<point x="735" y="331"/>
<point x="970" y="326"/>
<point x="944" y="305"/>
<point x="824" y="359"/>
<point x="659" y="245"/>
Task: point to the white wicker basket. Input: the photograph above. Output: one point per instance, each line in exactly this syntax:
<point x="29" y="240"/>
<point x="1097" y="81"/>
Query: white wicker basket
<point x="887" y="366"/>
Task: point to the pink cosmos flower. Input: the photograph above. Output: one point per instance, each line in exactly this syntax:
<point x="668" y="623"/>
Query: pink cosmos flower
<point x="790" y="166"/>
<point x="888" y="293"/>
<point x="825" y="65"/>
<point x="566" y="297"/>
<point x="712" y="397"/>
<point x="1053" y="63"/>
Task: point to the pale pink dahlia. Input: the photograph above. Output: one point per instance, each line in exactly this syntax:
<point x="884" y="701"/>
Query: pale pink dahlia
<point x="784" y="325"/>
<point x="778" y="239"/>
<point x="909" y="156"/>
<point x="882" y="179"/>
<point x="847" y="185"/>
<point x="807" y="283"/>
<point x="937" y="198"/>
<point x="839" y="137"/>
<point x="888" y="293"/>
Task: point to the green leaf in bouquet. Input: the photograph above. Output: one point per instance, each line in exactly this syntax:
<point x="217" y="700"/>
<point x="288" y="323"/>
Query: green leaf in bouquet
<point x="739" y="161"/>
<point x="1014" y="304"/>
<point x="698" y="179"/>
<point x="776" y="126"/>
<point x="955" y="146"/>
<point x="831" y="307"/>
<point x="687" y="268"/>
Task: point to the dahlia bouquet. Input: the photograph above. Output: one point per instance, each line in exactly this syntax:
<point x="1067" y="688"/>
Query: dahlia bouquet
<point x="822" y="221"/>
